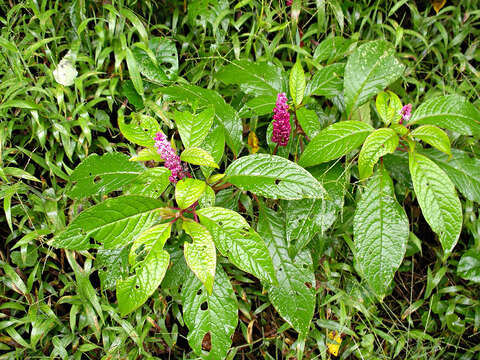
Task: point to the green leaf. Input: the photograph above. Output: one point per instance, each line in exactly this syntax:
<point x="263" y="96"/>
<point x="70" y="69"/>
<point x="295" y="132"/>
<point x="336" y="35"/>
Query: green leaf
<point x="235" y="239"/>
<point x="194" y="128"/>
<point x="273" y="177"/>
<point x="151" y="183"/>
<point x="148" y="68"/>
<point x="294" y="296"/>
<point x="200" y="254"/>
<point x="381" y="232"/>
<point x="335" y="141"/>
<point x="149" y="272"/>
<point x="214" y="143"/>
<point x="307" y="217"/>
<point x="438" y="200"/>
<point x="453" y="112"/>
<point x="254" y="78"/>
<point x="224" y="113"/>
<point x="128" y="90"/>
<point x="187" y="191"/>
<point x="258" y="106"/>
<point x="370" y="69"/>
<point x="388" y="106"/>
<point x="215" y="314"/>
<point x="147" y="154"/>
<point x="331" y="49"/>
<point x="103" y="174"/>
<point x="112" y="265"/>
<point x="462" y="168"/>
<point x="328" y="81"/>
<point x="469" y="266"/>
<point x="433" y="136"/>
<point x="134" y="71"/>
<point x="379" y="143"/>
<point x="308" y="120"/>
<point x="198" y="156"/>
<point x="297" y="83"/>
<point x="114" y="223"/>
<point x="141" y="129"/>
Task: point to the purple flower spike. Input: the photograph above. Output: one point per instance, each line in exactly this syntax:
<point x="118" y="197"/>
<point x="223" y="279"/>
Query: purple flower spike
<point x="281" y="121"/>
<point x="406" y="113"/>
<point x="172" y="160"/>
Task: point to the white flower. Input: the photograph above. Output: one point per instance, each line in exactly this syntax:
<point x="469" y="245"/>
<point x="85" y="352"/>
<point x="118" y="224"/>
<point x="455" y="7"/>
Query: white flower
<point x="65" y="73"/>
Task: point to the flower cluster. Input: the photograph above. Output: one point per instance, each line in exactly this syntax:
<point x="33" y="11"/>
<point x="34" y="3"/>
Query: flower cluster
<point x="281" y="121"/>
<point x="172" y="160"/>
<point x="406" y="113"/>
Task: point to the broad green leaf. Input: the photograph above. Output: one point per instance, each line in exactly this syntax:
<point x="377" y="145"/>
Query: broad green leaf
<point x="214" y="143"/>
<point x="152" y="182"/>
<point x="148" y="67"/>
<point x="327" y="81"/>
<point x="335" y="141"/>
<point x="133" y="291"/>
<point x="453" y="112"/>
<point x="381" y="232"/>
<point x="187" y="191"/>
<point x="141" y="129"/>
<point x="308" y="120"/>
<point x="469" y="266"/>
<point x="258" y="106"/>
<point x="198" y="156"/>
<point x="297" y="83"/>
<point x="438" y="200"/>
<point x="370" y="69"/>
<point x="235" y="239"/>
<point x="388" y="107"/>
<point x="331" y="49"/>
<point x="307" y="217"/>
<point x="128" y="90"/>
<point x="194" y="128"/>
<point x="112" y="265"/>
<point x="207" y="199"/>
<point x="224" y="113"/>
<point x="165" y="51"/>
<point x="434" y="136"/>
<point x="462" y="168"/>
<point x="215" y="314"/>
<point x="377" y="144"/>
<point x="294" y="296"/>
<point x="134" y="71"/>
<point x="103" y="174"/>
<point x="147" y="154"/>
<point x="200" y="254"/>
<point x="273" y="177"/>
<point x="254" y="78"/>
<point x="113" y="223"/>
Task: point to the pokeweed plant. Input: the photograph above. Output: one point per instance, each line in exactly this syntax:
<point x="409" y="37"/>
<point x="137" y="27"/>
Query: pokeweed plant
<point x="188" y="194"/>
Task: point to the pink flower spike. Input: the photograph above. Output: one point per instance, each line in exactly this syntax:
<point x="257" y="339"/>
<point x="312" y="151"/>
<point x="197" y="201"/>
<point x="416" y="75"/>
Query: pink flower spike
<point x="406" y="113"/>
<point x="281" y="121"/>
<point x="172" y="160"/>
<point x="289" y="2"/>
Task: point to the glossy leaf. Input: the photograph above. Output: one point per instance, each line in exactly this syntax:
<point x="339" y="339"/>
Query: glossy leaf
<point x="187" y="191"/>
<point x="113" y="223"/>
<point x="148" y="67"/>
<point x="381" y="232"/>
<point x="224" y="113"/>
<point x="370" y="69"/>
<point x="235" y="239"/>
<point x="273" y="177"/>
<point x="198" y="156"/>
<point x="258" y="106"/>
<point x="103" y="174"/>
<point x="453" y="112"/>
<point x="335" y="141"/>
<point x="255" y="78"/>
<point x="200" y="254"/>
<point x="388" y="107"/>
<point x="434" y="136"/>
<point x="134" y="71"/>
<point x="438" y="200"/>
<point x="469" y="266"/>
<point x="308" y="120"/>
<point x="133" y="291"/>
<point x="214" y="143"/>
<point x="379" y="143"/>
<point x="215" y="314"/>
<point x="141" y="129"/>
<point x="294" y="296"/>
<point x="297" y="83"/>
<point x="462" y="169"/>
<point x="328" y="81"/>
<point x="194" y="128"/>
<point x="152" y="182"/>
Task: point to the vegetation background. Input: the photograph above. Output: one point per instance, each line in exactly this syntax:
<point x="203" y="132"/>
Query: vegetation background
<point x="53" y="307"/>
